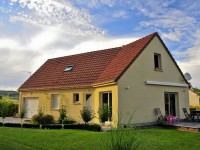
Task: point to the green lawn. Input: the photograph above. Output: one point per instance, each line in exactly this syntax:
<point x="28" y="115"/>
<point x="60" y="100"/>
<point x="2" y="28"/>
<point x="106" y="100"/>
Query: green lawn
<point x="151" y="139"/>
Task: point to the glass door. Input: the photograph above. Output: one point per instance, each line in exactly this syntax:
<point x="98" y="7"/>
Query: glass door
<point x="171" y="104"/>
<point x="107" y="102"/>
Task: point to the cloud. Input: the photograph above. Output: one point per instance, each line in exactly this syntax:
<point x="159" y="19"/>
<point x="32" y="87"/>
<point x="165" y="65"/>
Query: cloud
<point x="33" y="31"/>
<point x="35" y="40"/>
<point x="8" y="43"/>
<point x="12" y="64"/>
<point x="37" y="30"/>
<point x="104" y="43"/>
<point x="120" y="14"/>
<point x="95" y="3"/>
<point x="178" y="24"/>
<point x="174" y="36"/>
<point x="59" y="14"/>
<point x="189" y="60"/>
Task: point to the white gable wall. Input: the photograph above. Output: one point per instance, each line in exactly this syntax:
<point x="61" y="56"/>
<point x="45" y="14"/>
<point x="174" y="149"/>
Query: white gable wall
<point x="135" y="97"/>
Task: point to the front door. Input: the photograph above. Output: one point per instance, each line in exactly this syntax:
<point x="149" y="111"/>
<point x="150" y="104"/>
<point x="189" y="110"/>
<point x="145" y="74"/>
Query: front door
<point x="171" y="104"/>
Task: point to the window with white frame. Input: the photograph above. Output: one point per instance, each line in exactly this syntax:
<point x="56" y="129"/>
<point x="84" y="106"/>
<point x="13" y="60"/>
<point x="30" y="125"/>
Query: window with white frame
<point x="76" y="98"/>
<point x="157" y="62"/>
<point x="55" y="101"/>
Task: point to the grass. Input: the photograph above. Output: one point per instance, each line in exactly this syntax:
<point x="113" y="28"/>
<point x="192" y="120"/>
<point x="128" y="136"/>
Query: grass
<point x="151" y="139"/>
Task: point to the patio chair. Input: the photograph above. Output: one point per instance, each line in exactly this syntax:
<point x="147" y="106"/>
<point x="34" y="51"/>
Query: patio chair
<point x="194" y="114"/>
<point x="189" y="117"/>
<point x="160" y="117"/>
<point x="192" y="111"/>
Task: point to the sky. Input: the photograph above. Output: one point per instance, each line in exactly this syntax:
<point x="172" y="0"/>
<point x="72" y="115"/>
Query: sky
<point x="32" y="31"/>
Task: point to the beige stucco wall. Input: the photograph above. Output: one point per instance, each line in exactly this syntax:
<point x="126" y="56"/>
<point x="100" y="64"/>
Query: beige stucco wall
<point x="141" y="99"/>
<point x="194" y="98"/>
<point x="66" y="98"/>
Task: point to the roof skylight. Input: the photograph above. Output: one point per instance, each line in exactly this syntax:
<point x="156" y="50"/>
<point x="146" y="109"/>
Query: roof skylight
<point x="69" y="68"/>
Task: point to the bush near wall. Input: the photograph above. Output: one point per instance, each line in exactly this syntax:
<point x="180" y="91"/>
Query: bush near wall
<point x="1" y="124"/>
<point x="12" y="107"/>
<point x="42" y="119"/>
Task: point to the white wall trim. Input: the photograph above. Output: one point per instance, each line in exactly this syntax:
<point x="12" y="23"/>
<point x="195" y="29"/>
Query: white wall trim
<point x="166" y="84"/>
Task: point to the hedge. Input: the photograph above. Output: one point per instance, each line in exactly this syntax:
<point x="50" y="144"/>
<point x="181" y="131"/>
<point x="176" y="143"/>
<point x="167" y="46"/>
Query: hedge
<point x="12" y="107"/>
<point x="89" y="127"/>
<point x="52" y="126"/>
<point x="12" y="125"/>
<point x="35" y="126"/>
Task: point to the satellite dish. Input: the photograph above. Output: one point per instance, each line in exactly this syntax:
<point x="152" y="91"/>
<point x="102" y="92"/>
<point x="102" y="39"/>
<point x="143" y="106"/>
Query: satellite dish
<point x="187" y="76"/>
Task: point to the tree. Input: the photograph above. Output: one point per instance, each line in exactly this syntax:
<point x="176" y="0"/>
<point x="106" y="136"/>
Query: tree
<point x="63" y="113"/>
<point x="105" y="113"/>
<point x="196" y="90"/>
<point x="21" y="115"/>
<point x="87" y="114"/>
<point x="4" y="111"/>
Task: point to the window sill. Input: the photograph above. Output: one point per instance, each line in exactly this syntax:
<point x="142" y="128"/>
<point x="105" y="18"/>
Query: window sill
<point x="77" y="103"/>
<point x="158" y="69"/>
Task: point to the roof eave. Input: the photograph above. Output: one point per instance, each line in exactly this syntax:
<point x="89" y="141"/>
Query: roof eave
<point x="54" y="88"/>
<point x="104" y="84"/>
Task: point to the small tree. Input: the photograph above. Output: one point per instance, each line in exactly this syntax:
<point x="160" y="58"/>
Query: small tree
<point x="4" y="111"/>
<point x="105" y="113"/>
<point x="87" y="114"/>
<point x="63" y="113"/>
<point x="21" y="115"/>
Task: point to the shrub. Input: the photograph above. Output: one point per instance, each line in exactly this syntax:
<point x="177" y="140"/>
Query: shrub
<point x="74" y="126"/>
<point x="105" y="113"/>
<point x="36" y="119"/>
<point x="12" y="124"/>
<point x="47" y="119"/>
<point x="12" y="106"/>
<point x="37" y="126"/>
<point x="4" y="110"/>
<point x="67" y="121"/>
<point x="22" y="114"/>
<point x="12" y="109"/>
<point x="89" y="127"/>
<point x="42" y="119"/>
<point x="92" y="127"/>
<point x="1" y="124"/>
<point x="52" y="126"/>
<point x="87" y="114"/>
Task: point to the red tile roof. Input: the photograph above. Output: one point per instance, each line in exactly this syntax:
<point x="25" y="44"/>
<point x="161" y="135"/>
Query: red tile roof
<point x="89" y="68"/>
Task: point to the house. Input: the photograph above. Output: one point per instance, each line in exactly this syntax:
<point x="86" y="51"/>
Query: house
<point x="133" y="79"/>
<point x="194" y="98"/>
